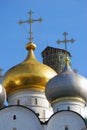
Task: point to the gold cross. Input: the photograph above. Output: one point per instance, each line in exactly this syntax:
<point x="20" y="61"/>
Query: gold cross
<point x="65" y="41"/>
<point x="30" y="21"/>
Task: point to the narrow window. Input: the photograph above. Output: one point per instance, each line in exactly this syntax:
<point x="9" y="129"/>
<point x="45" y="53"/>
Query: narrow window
<point x="35" y="100"/>
<point x="66" y="127"/>
<point x="68" y="108"/>
<point x="18" y="102"/>
<point x="14" y="117"/>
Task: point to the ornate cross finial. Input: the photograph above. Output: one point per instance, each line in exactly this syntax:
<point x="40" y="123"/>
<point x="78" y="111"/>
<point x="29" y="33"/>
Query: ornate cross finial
<point x="65" y="41"/>
<point x="30" y="21"/>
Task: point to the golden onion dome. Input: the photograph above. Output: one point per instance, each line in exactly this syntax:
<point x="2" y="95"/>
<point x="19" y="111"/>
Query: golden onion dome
<point x="30" y="74"/>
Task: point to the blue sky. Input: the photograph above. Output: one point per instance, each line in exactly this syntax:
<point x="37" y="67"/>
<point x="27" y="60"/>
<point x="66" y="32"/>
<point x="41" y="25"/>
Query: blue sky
<point x="58" y="16"/>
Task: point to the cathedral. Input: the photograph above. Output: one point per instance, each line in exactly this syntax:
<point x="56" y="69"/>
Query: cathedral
<point x="39" y="96"/>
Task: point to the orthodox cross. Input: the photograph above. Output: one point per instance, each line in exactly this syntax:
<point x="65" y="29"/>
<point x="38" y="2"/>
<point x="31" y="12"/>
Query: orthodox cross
<point x="65" y="41"/>
<point x="30" y="21"/>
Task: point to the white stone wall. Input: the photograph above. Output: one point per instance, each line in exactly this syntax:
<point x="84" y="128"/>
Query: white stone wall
<point x="72" y="105"/>
<point x="34" y="100"/>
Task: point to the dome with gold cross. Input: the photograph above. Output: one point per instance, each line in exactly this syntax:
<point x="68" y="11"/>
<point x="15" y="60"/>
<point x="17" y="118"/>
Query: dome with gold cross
<point x="30" y="74"/>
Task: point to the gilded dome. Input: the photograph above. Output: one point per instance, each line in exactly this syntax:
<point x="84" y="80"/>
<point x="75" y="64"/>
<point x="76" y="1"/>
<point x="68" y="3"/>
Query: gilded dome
<point x="29" y="74"/>
<point x="67" y="84"/>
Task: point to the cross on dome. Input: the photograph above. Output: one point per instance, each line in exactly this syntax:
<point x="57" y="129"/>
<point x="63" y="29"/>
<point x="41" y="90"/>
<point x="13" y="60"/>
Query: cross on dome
<point x="65" y="41"/>
<point x="30" y="21"/>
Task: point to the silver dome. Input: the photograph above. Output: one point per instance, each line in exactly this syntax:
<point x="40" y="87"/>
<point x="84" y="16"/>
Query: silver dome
<point x="66" y="84"/>
<point x="2" y="96"/>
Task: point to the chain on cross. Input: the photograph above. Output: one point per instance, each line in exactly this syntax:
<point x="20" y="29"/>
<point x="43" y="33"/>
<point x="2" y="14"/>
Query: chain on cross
<point x="30" y="21"/>
<point x="65" y="41"/>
